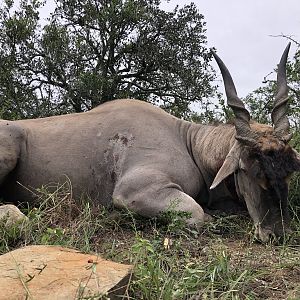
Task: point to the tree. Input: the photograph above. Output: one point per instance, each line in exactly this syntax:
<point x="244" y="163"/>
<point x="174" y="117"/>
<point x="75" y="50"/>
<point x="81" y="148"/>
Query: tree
<point x="94" y="51"/>
<point x="19" y="95"/>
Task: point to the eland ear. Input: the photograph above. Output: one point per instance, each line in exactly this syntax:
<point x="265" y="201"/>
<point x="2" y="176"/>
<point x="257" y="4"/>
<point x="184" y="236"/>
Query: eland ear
<point x="229" y="166"/>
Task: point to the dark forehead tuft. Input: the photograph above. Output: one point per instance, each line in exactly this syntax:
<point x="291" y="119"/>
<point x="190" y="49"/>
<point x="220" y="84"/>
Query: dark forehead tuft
<point x="276" y="162"/>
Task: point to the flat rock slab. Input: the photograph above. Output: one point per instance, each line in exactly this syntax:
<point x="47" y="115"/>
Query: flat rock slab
<point x="52" y="272"/>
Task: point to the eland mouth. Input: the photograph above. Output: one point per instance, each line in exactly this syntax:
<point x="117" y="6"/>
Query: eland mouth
<point x="268" y="234"/>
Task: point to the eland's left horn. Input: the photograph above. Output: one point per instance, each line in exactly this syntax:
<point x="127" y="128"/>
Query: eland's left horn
<point x="242" y="116"/>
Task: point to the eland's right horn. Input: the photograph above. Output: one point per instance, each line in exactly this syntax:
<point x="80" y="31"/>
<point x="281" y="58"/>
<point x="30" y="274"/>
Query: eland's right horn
<point x="279" y="112"/>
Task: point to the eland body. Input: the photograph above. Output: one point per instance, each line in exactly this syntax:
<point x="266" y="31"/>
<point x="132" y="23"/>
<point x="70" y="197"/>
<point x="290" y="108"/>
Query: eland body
<point x="129" y="153"/>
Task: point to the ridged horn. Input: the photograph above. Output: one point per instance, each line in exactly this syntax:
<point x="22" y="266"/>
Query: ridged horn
<point x="279" y="117"/>
<point x="242" y="116"/>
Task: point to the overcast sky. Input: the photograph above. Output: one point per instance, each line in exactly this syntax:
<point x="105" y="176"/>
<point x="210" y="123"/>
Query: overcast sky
<point x="242" y="30"/>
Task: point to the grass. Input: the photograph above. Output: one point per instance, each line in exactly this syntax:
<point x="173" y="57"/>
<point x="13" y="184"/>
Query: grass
<point x="220" y="261"/>
<point x="22" y="280"/>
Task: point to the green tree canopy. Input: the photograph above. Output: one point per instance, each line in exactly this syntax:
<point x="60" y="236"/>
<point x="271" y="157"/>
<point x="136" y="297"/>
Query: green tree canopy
<point x="90" y="52"/>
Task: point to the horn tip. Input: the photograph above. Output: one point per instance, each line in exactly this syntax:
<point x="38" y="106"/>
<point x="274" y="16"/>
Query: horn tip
<point x="213" y="52"/>
<point x="287" y="48"/>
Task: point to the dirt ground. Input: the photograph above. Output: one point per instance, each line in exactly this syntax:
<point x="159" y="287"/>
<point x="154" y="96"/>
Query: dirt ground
<point x="274" y="270"/>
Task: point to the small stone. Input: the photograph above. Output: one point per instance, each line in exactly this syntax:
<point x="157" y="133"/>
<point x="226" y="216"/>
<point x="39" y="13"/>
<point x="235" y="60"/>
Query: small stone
<point x="11" y="215"/>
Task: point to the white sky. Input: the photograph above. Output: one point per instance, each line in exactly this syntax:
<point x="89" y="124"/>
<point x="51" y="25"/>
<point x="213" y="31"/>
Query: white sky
<point x="241" y="31"/>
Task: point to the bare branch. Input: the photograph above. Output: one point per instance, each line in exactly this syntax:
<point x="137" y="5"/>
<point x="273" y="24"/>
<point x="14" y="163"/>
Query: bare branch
<point x="289" y="37"/>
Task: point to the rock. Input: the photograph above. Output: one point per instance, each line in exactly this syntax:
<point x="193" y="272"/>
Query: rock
<point x="54" y="273"/>
<point x="11" y="215"/>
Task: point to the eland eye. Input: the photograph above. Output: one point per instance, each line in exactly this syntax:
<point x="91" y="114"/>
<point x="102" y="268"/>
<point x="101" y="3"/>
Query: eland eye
<point x="256" y="171"/>
<point x="263" y="183"/>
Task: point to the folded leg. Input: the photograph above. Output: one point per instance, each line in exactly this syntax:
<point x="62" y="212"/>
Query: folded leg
<point x="151" y="195"/>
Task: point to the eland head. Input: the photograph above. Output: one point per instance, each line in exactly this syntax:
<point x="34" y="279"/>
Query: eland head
<point x="261" y="159"/>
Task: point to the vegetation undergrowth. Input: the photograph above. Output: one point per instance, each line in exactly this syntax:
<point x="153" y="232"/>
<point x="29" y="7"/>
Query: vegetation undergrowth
<point x="219" y="261"/>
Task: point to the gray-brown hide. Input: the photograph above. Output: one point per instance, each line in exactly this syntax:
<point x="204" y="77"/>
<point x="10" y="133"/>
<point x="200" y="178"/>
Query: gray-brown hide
<point x="128" y="153"/>
<point x="125" y="152"/>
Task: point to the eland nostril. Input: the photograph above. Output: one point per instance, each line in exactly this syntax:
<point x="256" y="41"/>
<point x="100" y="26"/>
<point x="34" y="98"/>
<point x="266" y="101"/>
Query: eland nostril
<point x="265" y="235"/>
